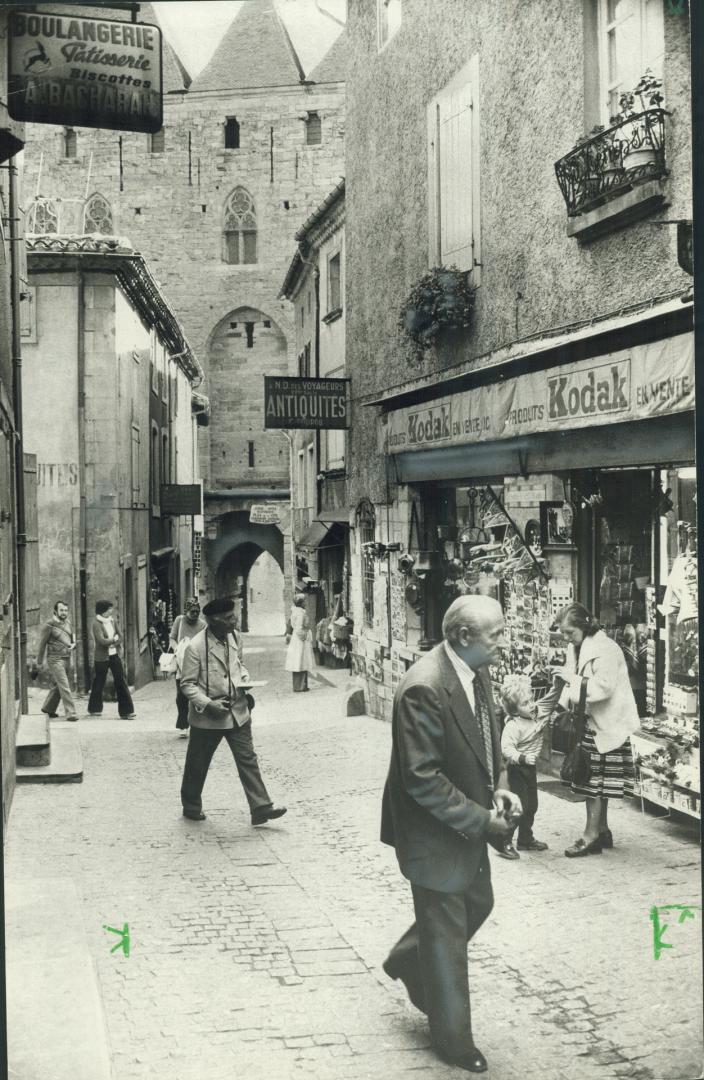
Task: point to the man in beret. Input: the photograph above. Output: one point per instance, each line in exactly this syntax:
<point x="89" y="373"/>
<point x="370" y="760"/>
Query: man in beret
<point x="214" y="681"/>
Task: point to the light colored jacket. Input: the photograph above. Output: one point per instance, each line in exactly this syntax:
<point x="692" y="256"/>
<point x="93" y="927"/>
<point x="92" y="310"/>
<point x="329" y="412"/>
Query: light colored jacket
<point x="205" y="679"/>
<point x="611" y="706"/>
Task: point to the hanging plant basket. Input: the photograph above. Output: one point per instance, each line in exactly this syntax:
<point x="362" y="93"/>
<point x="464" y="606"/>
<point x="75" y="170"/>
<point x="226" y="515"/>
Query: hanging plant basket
<point x="442" y="299"/>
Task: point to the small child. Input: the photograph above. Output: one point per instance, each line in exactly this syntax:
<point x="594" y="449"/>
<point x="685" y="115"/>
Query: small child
<point x="521" y="742"/>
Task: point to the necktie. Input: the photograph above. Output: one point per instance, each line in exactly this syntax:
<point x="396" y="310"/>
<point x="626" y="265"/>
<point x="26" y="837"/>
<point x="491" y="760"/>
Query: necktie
<point x="481" y="710"/>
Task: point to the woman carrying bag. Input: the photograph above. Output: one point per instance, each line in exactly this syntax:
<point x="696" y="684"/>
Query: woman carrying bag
<point x="595" y="675"/>
<point x="299" y="657"/>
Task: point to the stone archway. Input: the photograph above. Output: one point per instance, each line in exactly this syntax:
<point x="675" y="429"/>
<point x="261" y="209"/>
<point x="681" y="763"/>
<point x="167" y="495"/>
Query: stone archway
<point x="238" y="548"/>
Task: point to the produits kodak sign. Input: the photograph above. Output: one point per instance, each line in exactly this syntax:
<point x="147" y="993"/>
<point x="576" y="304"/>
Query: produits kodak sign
<point x="588" y="393"/>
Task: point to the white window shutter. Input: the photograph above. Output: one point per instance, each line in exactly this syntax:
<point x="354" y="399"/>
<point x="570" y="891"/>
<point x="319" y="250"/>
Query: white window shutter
<point x="456" y="179"/>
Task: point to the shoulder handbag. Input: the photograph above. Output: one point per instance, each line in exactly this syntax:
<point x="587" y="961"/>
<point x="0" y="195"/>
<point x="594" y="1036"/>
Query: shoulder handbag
<point x="576" y="767"/>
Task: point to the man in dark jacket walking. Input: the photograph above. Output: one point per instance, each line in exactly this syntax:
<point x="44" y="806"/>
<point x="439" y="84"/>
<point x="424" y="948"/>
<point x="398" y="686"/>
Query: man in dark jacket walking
<point x="445" y="797"/>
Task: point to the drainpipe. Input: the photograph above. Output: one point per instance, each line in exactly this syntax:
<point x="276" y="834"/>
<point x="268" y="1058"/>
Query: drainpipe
<point x="81" y="390"/>
<point x="20" y="516"/>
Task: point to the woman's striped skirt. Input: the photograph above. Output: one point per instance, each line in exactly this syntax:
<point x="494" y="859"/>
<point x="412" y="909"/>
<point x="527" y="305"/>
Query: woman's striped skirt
<point x="610" y="775"/>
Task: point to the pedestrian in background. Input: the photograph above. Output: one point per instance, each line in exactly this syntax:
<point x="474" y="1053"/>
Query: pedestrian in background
<point x="215" y="681"/>
<point x="184" y="628"/>
<point x="612" y="716"/>
<point x="299" y="657"/>
<point x="445" y="796"/>
<point x="107" y="658"/>
<point x="56" y="643"/>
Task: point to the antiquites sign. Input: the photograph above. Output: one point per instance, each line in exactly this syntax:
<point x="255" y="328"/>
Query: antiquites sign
<point x="305" y="403"/>
<point x="84" y="72"/>
<point x="633" y="384"/>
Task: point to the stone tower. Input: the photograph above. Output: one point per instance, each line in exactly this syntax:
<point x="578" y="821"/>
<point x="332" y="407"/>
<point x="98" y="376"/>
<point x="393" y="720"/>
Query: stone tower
<point x="246" y="153"/>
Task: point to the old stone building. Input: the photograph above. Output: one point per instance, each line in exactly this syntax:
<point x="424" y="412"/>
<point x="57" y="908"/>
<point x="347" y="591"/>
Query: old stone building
<point x="108" y="415"/>
<point x="247" y="151"/>
<point x="512" y="432"/>
<point x="315" y="285"/>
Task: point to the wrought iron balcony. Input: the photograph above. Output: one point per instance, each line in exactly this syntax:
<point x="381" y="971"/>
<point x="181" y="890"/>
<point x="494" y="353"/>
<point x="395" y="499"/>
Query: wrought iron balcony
<point x="613" y="161"/>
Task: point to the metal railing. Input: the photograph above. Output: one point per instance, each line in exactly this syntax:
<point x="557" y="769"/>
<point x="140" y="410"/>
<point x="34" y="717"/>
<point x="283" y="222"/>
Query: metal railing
<point x="613" y="161"/>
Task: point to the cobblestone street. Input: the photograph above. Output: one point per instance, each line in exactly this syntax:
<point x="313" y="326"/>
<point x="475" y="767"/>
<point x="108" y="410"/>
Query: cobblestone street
<point x="257" y="952"/>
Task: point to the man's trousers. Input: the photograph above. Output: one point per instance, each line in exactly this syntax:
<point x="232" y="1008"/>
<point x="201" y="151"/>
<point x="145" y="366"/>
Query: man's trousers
<point x="61" y="690"/>
<point x="431" y="957"/>
<point x="202" y="744"/>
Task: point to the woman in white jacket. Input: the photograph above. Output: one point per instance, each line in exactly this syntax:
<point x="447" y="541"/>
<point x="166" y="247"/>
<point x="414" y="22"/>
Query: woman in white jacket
<point x="612" y="716"/>
<point x="299" y="657"/>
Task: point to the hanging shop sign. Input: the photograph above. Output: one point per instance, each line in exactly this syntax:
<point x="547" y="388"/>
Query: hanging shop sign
<point x="265" y="514"/>
<point x="634" y="384"/>
<point x="84" y="72"/>
<point x="178" y="499"/>
<point x="305" y="403"/>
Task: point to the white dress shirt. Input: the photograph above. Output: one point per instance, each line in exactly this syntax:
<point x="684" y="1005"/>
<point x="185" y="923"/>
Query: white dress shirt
<point x="464" y="673"/>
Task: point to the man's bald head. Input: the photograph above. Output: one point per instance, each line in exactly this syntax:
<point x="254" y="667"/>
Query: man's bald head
<point x="474" y="626"/>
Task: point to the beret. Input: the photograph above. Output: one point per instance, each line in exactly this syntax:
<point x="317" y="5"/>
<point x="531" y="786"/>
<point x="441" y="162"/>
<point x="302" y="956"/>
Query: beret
<point x="219" y="607"/>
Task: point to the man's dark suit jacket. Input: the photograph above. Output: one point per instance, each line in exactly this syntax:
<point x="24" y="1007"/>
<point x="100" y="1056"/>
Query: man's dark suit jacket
<point x="438" y="793"/>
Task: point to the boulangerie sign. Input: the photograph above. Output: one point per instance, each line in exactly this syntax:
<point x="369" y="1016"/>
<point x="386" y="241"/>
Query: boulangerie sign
<point x="633" y="384"/>
<point x="89" y="72"/>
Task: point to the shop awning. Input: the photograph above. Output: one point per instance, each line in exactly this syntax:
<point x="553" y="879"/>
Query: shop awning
<point x="334" y="517"/>
<point x="314" y="535"/>
<point x="161" y="553"/>
<point x="323" y="534"/>
<point x="665" y="440"/>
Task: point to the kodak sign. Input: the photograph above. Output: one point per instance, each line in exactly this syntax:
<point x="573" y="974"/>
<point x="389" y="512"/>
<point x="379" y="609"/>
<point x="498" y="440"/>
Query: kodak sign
<point x="591" y="392"/>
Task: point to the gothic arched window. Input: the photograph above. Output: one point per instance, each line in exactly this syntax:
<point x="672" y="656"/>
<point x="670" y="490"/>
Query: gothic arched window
<point x="240" y="228"/>
<point x="98" y="216"/>
<point x="43" y="217"/>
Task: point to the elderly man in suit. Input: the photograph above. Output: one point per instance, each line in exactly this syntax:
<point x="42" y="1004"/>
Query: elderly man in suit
<point x="445" y="797"/>
<point x="214" y="680"/>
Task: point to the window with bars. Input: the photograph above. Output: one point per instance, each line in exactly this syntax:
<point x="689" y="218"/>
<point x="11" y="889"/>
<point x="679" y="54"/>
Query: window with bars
<point x="366" y="524"/>
<point x="240" y="228"/>
<point x="97" y="217"/>
<point x="314" y="129"/>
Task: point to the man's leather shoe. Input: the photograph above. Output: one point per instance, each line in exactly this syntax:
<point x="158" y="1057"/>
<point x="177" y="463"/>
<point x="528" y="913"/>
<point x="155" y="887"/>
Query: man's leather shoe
<point x="508" y="851"/>
<point x="415" y="993"/>
<point x="194" y="815"/>
<point x="532" y="845"/>
<point x="267" y="813"/>
<point x="473" y="1061"/>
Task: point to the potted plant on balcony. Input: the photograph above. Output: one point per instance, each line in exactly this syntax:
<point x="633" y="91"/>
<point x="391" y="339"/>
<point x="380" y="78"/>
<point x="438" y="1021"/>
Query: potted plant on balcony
<point x="640" y="148"/>
<point x="442" y="299"/>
